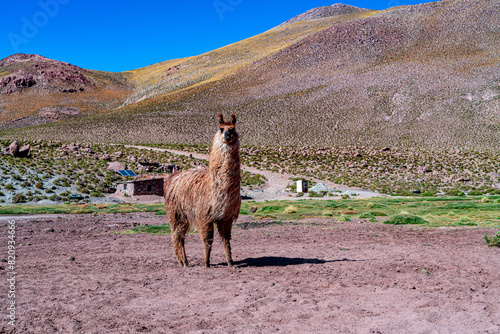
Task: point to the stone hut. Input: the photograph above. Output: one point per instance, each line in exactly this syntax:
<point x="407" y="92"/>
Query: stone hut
<point x="145" y="186"/>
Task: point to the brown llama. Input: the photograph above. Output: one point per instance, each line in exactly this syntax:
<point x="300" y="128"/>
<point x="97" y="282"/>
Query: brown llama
<point x="203" y="197"/>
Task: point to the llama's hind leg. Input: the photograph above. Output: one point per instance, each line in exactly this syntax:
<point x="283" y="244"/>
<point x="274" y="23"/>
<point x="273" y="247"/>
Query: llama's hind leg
<point x="225" y="233"/>
<point x="178" y="236"/>
<point x="207" y="236"/>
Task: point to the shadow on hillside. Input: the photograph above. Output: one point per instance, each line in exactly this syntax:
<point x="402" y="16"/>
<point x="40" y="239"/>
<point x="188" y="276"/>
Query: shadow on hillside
<point x="279" y="261"/>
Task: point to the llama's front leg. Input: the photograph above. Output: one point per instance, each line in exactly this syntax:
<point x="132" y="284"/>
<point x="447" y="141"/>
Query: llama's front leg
<point x="207" y="236"/>
<point x="227" y="249"/>
<point x="180" y="251"/>
<point x="225" y="233"/>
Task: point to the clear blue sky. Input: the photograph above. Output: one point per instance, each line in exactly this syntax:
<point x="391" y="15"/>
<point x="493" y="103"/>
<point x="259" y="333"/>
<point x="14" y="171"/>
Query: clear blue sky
<point x="124" y="35"/>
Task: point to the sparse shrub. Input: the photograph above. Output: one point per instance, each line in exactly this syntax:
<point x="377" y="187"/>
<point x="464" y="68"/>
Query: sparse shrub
<point x="9" y="187"/>
<point x="96" y="194"/>
<point x="366" y="215"/>
<point x="344" y="196"/>
<point x="378" y="214"/>
<point x="55" y="198"/>
<point x="454" y="192"/>
<point x="19" y="198"/>
<point x="493" y="241"/>
<point x="328" y="213"/>
<point x="370" y="205"/>
<point x="475" y="192"/>
<point x="291" y="209"/>
<point x="39" y="185"/>
<point x="300" y="194"/>
<point x="344" y="219"/>
<point x="484" y="200"/>
<point x="49" y="191"/>
<point x="373" y="220"/>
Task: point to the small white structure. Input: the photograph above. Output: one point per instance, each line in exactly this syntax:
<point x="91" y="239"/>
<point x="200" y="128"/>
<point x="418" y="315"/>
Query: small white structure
<point x="301" y="186"/>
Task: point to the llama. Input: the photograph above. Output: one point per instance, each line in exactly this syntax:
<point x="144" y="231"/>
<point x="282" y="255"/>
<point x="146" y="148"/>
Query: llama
<point x="203" y="197"/>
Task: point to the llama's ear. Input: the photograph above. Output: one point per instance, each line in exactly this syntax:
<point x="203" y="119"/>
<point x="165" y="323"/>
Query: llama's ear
<point x="221" y="119"/>
<point x="233" y="119"/>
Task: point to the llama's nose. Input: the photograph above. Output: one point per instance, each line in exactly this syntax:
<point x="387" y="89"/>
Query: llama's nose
<point x="227" y="135"/>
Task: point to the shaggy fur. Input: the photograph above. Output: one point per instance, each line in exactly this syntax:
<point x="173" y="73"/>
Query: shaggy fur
<point x="205" y="197"/>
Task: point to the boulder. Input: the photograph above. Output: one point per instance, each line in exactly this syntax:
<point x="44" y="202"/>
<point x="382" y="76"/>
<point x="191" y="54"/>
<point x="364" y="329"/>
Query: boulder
<point x="115" y="166"/>
<point x="14" y="148"/>
<point x="24" y="152"/>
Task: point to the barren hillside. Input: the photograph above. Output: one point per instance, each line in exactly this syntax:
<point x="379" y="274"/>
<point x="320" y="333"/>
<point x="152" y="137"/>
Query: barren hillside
<point x="425" y="75"/>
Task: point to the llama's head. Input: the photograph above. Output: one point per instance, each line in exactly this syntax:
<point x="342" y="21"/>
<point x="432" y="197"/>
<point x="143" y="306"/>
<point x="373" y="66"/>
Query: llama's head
<point x="227" y="130"/>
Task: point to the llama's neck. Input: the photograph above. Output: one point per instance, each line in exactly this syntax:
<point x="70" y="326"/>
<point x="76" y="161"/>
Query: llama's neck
<point x="224" y="165"/>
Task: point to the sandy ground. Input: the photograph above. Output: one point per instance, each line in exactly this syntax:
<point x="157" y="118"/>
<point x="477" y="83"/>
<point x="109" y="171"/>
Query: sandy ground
<point x="313" y="276"/>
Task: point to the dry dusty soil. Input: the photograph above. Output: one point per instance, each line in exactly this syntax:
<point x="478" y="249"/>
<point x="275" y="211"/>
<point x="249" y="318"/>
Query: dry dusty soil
<point x="313" y="276"/>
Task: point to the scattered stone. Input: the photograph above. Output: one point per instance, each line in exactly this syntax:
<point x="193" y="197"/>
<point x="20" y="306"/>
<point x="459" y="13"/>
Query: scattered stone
<point x="104" y="156"/>
<point x="71" y="258"/>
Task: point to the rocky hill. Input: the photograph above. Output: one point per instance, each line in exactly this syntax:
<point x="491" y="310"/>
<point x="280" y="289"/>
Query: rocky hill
<point x="35" y="89"/>
<point x="425" y="75"/>
<point x="326" y="11"/>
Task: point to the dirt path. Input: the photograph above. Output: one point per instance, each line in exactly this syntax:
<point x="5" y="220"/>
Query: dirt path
<point x="276" y="183"/>
<point x="314" y="276"/>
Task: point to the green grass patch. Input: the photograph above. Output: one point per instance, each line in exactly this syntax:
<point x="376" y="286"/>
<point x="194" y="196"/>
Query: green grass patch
<point x="404" y="219"/>
<point x="159" y="208"/>
<point x="151" y="229"/>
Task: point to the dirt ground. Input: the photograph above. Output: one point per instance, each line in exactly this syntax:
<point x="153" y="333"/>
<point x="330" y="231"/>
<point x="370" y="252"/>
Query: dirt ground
<point x="313" y="276"/>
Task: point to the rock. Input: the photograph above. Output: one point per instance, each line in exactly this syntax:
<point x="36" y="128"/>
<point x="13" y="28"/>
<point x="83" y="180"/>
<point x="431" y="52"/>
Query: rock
<point x="117" y="155"/>
<point x="423" y="169"/>
<point x="131" y="158"/>
<point x="253" y="209"/>
<point x="87" y="150"/>
<point x="104" y="156"/>
<point x="14" y="148"/>
<point x="463" y="179"/>
<point x="24" y="152"/>
<point x="115" y="166"/>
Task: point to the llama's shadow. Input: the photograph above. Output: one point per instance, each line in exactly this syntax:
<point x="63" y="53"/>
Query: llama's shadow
<point x="280" y="261"/>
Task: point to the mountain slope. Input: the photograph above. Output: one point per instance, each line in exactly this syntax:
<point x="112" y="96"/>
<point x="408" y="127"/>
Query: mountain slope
<point x="178" y="74"/>
<point x="35" y="89"/>
<point x="425" y="75"/>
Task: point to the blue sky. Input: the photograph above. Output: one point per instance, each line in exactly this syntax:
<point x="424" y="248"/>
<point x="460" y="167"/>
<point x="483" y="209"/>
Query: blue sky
<point x="124" y="35"/>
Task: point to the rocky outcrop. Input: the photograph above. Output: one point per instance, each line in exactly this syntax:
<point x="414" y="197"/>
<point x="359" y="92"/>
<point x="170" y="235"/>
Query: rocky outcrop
<point x="16" y="151"/>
